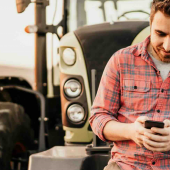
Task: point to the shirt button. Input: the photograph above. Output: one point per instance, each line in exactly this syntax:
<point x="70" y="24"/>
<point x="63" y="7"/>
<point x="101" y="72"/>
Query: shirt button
<point x="158" y="111"/>
<point x="153" y="163"/>
<point x="162" y="90"/>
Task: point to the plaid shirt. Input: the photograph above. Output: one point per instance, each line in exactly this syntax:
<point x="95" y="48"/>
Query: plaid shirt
<point x="131" y="86"/>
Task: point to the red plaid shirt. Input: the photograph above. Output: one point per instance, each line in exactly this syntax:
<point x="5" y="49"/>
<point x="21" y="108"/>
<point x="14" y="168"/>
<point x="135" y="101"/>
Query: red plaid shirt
<point x="131" y="86"/>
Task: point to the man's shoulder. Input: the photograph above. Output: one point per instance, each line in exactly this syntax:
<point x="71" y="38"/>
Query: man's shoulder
<point x="127" y="51"/>
<point x="133" y="50"/>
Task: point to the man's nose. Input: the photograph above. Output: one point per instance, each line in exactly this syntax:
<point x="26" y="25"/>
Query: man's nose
<point x="166" y="44"/>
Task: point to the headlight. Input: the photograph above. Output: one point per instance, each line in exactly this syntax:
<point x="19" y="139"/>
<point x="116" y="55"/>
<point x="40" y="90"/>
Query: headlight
<point x="69" y="56"/>
<point x="75" y="113"/>
<point x="72" y="88"/>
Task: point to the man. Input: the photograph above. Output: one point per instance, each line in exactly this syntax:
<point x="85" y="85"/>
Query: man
<point x="135" y="87"/>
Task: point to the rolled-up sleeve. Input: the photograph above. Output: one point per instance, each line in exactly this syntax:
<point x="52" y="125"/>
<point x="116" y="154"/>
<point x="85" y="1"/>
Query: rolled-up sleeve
<point x="107" y="100"/>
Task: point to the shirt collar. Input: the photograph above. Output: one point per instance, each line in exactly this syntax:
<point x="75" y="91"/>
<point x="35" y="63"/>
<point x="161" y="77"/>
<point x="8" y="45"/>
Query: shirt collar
<point x="141" y="49"/>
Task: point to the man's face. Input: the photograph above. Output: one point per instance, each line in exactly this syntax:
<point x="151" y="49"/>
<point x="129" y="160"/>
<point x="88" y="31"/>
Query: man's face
<point x="160" y="36"/>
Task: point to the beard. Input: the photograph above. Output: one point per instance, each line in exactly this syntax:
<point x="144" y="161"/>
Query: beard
<point x="157" y="52"/>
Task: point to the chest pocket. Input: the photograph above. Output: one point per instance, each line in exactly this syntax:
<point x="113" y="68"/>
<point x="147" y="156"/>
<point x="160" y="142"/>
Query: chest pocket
<point x="135" y="95"/>
<point x="136" y="85"/>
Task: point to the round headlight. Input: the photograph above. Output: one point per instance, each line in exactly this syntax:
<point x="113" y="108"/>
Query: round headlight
<point x="75" y="113"/>
<point x="69" y="56"/>
<point x="72" y="88"/>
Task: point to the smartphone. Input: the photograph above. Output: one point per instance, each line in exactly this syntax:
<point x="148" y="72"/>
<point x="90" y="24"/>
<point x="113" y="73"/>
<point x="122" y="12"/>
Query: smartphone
<point x="150" y="123"/>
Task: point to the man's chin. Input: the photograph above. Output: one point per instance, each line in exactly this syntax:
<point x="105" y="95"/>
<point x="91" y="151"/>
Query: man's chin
<point x="165" y="59"/>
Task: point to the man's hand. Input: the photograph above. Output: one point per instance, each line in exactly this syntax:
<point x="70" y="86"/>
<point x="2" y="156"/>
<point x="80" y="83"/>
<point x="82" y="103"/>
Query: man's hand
<point x="138" y="130"/>
<point x="159" y="139"/>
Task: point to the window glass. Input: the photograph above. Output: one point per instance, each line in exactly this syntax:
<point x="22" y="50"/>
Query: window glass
<point x="129" y="7"/>
<point x="88" y="12"/>
<point x="94" y="12"/>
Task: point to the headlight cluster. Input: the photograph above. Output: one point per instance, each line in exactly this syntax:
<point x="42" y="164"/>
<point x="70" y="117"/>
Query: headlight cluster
<point x="69" y="56"/>
<point x="72" y="88"/>
<point x="76" y="113"/>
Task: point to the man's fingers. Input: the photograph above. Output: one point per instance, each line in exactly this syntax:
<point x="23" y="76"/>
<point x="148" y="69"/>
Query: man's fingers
<point x="153" y="148"/>
<point x="142" y="119"/>
<point x="155" y="144"/>
<point x="142" y="130"/>
<point x="140" y="137"/>
<point x="140" y="142"/>
<point x="156" y="138"/>
<point x="161" y="131"/>
<point x="166" y="123"/>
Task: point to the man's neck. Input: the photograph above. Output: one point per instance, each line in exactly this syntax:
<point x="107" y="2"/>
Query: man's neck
<point x="152" y="52"/>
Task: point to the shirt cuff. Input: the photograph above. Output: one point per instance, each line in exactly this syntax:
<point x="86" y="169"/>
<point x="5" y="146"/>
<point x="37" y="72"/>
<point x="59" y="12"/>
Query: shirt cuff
<point x="98" y="124"/>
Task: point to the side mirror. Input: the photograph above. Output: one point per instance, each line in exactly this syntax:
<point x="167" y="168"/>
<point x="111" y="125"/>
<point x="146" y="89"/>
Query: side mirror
<point x="22" y="5"/>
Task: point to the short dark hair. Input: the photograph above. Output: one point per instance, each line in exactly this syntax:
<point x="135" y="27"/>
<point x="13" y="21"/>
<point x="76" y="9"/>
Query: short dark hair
<point x="160" y="5"/>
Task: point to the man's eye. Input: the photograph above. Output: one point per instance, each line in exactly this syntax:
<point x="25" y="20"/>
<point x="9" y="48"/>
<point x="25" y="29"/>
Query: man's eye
<point x="161" y="34"/>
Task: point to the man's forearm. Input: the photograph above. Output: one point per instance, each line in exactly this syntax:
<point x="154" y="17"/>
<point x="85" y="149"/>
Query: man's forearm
<point x="116" y="131"/>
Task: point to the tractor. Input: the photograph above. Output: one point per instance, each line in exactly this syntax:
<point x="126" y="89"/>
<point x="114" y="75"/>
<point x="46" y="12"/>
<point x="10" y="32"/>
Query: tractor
<point x="89" y="32"/>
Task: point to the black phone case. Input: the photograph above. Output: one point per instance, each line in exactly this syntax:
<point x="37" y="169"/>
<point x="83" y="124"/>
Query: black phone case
<point x="149" y="124"/>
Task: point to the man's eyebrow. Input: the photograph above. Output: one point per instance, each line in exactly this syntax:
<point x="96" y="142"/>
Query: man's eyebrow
<point x="160" y="31"/>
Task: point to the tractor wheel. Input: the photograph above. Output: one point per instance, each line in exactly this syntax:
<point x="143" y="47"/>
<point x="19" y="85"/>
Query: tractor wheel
<point x="14" y="128"/>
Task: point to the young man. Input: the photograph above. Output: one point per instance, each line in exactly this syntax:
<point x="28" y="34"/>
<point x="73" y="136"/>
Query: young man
<point x="135" y="87"/>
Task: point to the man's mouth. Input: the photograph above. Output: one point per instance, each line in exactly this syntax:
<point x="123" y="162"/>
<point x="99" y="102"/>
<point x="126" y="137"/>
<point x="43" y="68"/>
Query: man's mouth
<point x="166" y="53"/>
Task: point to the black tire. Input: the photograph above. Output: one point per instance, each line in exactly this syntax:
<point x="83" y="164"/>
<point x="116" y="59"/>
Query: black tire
<point x="14" y="128"/>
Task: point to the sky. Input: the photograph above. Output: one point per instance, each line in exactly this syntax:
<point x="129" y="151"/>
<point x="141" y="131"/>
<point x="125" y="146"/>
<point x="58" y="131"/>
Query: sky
<point x="16" y="46"/>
